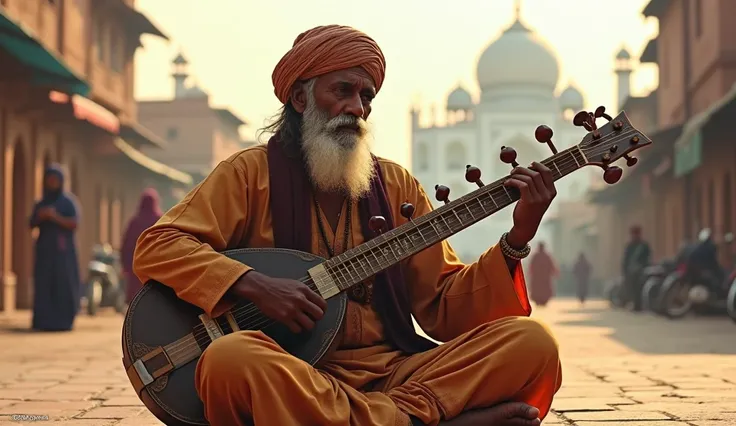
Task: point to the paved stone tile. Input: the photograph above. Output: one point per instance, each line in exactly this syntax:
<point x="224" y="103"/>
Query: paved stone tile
<point x="635" y="423"/>
<point x="618" y="416"/>
<point x="112" y="412"/>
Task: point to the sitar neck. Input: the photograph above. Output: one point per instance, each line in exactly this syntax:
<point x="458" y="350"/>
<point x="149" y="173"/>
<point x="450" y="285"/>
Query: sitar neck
<point x="391" y="247"/>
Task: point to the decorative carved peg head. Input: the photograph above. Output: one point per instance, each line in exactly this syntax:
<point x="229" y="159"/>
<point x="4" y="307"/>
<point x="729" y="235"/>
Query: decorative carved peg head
<point x="543" y="134"/>
<point x="377" y="224"/>
<point x="442" y="193"/>
<point x="472" y="175"/>
<point x="407" y="210"/>
<point x="612" y="174"/>
<point x="508" y="156"/>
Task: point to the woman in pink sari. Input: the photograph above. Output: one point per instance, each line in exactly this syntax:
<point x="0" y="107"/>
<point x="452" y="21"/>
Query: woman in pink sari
<point x="543" y="271"/>
<point x="148" y="214"/>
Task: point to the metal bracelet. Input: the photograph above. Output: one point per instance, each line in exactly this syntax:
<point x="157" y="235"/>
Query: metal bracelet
<point x="512" y="253"/>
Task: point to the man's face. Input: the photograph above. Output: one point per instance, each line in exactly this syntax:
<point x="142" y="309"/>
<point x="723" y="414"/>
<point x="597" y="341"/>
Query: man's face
<point x="52" y="183"/>
<point x="335" y="134"/>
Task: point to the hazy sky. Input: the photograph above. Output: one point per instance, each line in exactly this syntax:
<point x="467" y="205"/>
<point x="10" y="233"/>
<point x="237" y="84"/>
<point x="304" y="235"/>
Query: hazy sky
<point x="430" y="46"/>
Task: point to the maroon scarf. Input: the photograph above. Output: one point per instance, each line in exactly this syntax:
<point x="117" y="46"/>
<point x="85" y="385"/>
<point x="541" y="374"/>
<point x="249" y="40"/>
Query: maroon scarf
<point x="292" y="223"/>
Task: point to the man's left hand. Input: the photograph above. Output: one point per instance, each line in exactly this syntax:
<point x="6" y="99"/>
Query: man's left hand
<point x="537" y="188"/>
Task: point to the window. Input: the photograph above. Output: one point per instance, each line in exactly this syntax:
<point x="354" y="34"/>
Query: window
<point x="422" y="157"/>
<point x="172" y="133"/>
<point x="117" y="51"/>
<point x="698" y="12"/>
<point x="455" y="155"/>
<point x="100" y="41"/>
<point x="663" y="66"/>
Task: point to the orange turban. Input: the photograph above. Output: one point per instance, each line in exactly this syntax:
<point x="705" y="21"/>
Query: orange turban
<point x="325" y="49"/>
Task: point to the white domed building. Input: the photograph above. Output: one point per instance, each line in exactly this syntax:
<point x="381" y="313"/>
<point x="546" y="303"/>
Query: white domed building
<point x="518" y="76"/>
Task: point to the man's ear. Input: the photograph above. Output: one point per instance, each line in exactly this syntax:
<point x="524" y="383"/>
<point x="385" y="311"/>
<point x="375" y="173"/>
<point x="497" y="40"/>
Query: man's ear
<point x="299" y="97"/>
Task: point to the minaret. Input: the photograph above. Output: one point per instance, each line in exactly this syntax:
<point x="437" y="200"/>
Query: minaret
<point x="623" y="71"/>
<point x="180" y="75"/>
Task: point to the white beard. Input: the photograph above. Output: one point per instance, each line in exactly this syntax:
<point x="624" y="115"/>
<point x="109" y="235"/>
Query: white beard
<point x="337" y="160"/>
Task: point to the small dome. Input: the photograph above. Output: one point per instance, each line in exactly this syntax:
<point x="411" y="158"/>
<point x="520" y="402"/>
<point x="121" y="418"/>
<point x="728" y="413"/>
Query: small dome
<point x="180" y="60"/>
<point x="571" y="98"/>
<point x="459" y="99"/>
<point x="623" y="54"/>
<point x="518" y="57"/>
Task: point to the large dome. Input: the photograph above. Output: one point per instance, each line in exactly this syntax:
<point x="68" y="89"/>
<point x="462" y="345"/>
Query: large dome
<point x="518" y="57"/>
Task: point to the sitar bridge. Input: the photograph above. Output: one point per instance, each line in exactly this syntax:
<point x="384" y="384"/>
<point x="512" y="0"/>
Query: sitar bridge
<point x="213" y="329"/>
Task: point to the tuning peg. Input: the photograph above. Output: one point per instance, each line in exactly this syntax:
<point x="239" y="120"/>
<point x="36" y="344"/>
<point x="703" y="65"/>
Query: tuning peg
<point x="612" y="175"/>
<point x="630" y="161"/>
<point x="584" y="119"/>
<point x="407" y="210"/>
<point x="472" y="175"/>
<point x="601" y="112"/>
<point x="377" y="224"/>
<point x="442" y="193"/>
<point x="508" y="156"/>
<point x="544" y="135"/>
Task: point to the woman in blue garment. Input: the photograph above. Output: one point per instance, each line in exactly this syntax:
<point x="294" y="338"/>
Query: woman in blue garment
<point x="56" y="269"/>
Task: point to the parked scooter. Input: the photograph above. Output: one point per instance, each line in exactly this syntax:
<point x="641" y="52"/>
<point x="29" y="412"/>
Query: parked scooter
<point x="105" y="286"/>
<point x="695" y="283"/>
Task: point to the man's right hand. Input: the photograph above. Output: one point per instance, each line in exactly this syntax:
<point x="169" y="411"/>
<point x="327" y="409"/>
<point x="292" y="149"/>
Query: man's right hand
<point x="289" y="302"/>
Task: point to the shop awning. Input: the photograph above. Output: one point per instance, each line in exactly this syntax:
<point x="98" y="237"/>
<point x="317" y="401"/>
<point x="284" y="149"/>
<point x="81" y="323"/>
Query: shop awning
<point x="46" y="69"/>
<point x="136" y="132"/>
<point x="154" y="166"/>
<point x="88" y="110"/>
<point x="689" y="146"/>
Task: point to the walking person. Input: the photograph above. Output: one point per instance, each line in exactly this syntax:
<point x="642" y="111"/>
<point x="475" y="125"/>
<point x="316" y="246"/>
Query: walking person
<point x="543" y="271"/>
<point x="149" y="212"/>
<point x="636" y="257"/>
<point x="56" y="282"/>
<point x="582" y="270"/>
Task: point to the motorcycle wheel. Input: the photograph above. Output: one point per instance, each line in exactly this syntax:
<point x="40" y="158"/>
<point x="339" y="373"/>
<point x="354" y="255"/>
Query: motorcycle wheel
<point x="95" y="289"/>
<point x="615" y="294"/>
<point x="674" y="299"/>
<point x="649" y="294"/>
<point x="731" y="301"/>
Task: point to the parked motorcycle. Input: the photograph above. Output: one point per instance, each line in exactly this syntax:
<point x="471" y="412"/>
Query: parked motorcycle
<point x="653" y="276"/>
<point x="614" y="291"/>
<point x="693" y="284"/>
<point x="656" y="274"/>
<point x="105" y="286"/>
<point x="731" y="298"/>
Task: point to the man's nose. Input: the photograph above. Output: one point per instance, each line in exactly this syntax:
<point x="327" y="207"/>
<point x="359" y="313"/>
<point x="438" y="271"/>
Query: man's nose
<point x="355" y="107"/>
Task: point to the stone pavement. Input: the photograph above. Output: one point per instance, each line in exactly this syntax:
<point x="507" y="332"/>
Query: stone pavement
<point x="619" y="368"/>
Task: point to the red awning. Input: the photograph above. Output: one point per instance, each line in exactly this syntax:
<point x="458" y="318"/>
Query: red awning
<point x="92" y="112"/>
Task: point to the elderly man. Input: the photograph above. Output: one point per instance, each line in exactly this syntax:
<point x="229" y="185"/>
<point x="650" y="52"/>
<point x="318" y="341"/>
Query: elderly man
<point x="307" y="190"/>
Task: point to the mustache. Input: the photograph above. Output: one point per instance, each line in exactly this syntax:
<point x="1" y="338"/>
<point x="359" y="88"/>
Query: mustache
<point x="345" y="120"/>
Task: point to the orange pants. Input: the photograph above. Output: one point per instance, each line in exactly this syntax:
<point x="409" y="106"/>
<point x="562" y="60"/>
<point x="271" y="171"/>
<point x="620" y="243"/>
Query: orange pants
<point x="247" y="375"/>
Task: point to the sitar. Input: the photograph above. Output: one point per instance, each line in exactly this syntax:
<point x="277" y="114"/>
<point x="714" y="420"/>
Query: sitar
<point x="164" y="336"/>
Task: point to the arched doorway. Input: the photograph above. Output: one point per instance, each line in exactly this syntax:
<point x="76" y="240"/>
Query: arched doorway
<point x="20" y="235"/>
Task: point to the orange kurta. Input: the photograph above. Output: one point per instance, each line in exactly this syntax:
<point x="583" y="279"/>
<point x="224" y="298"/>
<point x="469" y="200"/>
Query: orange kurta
<point x="492" y="353"/>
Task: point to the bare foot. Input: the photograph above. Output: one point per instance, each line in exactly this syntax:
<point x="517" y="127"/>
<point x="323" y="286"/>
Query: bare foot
<point x="507" y="414"/>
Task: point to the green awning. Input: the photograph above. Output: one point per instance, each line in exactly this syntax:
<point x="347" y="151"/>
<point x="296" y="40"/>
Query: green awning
<point x="46" y="69"/>
<point x="689" y="146"/>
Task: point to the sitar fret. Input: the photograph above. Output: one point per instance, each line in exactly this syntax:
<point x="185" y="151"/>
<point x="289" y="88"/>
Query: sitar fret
<point x="387" y="249"/>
